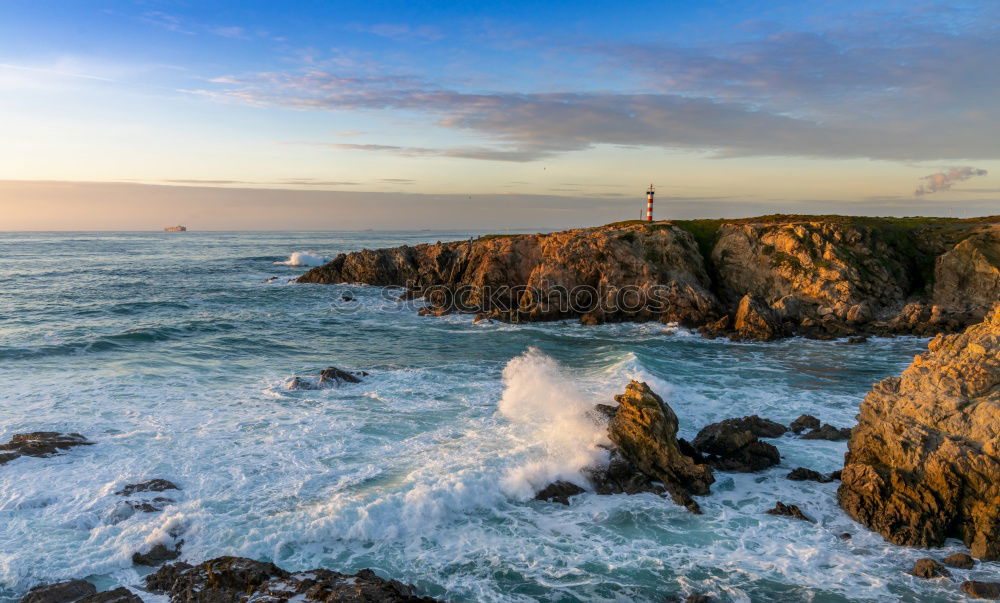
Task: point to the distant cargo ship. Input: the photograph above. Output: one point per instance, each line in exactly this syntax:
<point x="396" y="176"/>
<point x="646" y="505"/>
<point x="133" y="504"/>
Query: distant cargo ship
<point x="175" y="229"/>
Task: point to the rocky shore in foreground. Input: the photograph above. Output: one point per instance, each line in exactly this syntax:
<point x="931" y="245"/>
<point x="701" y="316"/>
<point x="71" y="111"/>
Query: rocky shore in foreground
<point x="754" y="278"/>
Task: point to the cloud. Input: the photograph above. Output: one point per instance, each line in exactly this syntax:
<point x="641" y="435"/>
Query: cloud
<point x="898" y="87"/>
<point x="942" y="181"/>
<point x="401" y="32"/>
<point x="281" y="182"/>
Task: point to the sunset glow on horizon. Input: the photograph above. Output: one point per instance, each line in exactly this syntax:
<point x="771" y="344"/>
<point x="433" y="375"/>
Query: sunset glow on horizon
<point x="341" y="115"/>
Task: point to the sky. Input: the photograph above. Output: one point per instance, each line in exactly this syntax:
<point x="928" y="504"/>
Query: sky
<point x="328" y="115"/>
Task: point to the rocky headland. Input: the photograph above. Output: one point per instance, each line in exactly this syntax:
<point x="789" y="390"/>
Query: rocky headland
<point x="754" y="278"/>
<point x="923" y="463"/>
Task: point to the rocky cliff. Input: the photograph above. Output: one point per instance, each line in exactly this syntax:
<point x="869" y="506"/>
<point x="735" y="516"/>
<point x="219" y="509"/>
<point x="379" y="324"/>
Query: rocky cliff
<point x="923" y="463"/>
<point x="820" y="276"/>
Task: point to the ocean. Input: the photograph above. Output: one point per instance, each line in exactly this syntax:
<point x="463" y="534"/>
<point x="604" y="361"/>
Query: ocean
<point x="173" y="351"/>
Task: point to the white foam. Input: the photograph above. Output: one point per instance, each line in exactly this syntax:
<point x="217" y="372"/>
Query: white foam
<point x="541" y="399"/>
<point x="305" y="258"/>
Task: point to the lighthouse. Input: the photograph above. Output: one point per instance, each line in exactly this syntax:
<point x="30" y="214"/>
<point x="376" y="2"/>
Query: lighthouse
<point x="649" y="204"/>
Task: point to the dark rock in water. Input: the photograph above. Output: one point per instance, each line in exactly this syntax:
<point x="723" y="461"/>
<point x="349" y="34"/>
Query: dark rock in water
<point x="559" y="492"/>
<point x="645" y="430"/>
<point x="621" y="476"/>
<point x="715" y="329"/>
<point x="803" y="423"/>
<point x="334" y="375"/>
<point x="835" y="475"/>
<point x="327" y="585"/>
<point x="801" y="474"/>
<point x="606" y="410"/>
<point x="698" y="598"/>
<point x="229" y="579"/>
<point x="845" y="536"/>
<point x="732" y="445"/>
<point x="220" y="580"/>
<point x="687" y="449"/>
<point x="118" y="595"/>
<point x="301" y="384"/>
<point x="63" y="592"/>
<point x="755" y="320"/>
<point x="40" y="444"/>
<point x="328" y="377"/>
<point x="929" y="568"/>
<point x="981" y="590"/>
<point x="153" y="485"/>
<point x="347" y="298"/>
<point x="150" y="506"/>
<point x="857" y="339"/>
<point x="160" y="553"/>
<point x="793" y="511"/>
<point x="959" y="561"/>
<point x="828" y="432"/>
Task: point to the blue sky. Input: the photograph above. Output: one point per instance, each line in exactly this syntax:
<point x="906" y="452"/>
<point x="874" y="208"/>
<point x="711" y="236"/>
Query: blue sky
<point x="790" y="106"/>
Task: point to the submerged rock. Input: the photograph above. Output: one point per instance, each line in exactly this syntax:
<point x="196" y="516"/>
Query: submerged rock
<point x="61" y="592"/>
<point x="118" y="595"/>
<point x="559" y="492"/>
<point x="733" y="444"/>
<point x="153" y="485"/>
<point x="801" y="474"/>
<point x="923" y="464"/>
<point x="335" y="376"/>
<point x="981" y="590"/>
<point x="158" y="554"/>
<point x="331" y="376"/>
<point x="645" y="430"/>
<point x="792" y="511"/>
<point x="40" y="444"/>
<point x="238" y="579"/>
<point x="929" y="568"/>
<point x="803" y="423"/>
<point x="828" y="432"/>
<point x="959" y="561"/>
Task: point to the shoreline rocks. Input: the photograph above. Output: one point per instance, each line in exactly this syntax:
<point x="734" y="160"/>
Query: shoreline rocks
<point x="822" y="277"/>
<point x="923" y="463"/>
<point x="238" y="579"/>
<point x="40" y="444"/>
<point x="733" y="444"/>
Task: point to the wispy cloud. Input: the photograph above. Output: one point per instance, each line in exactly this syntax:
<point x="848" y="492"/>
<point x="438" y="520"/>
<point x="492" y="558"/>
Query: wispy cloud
<point x="401" y="31"/>
<point x="942" y="181"/>
<point x="866" y="91"/>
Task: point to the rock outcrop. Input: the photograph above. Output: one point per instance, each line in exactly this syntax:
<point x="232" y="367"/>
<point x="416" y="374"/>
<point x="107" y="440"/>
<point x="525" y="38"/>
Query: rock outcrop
<point x="78" y="591"/>
<point x="733" y="444"/>
<point x="242" y="580"/>
<point x="644" y="429"/>
<point x="40" y="444"/>
<point x="923" y="463"/>
<point x="819" y="276"/>
<point x="613" y="273"/>
<point x="792" y="511"/>
<point x="982" y="590"/>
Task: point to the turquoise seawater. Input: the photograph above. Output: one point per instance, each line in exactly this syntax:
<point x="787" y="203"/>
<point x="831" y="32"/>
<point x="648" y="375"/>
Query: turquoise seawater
<point x="172" y="353"/>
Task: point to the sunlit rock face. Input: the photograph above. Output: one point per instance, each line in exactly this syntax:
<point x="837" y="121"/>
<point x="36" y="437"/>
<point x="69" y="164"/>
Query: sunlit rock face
<point x="923" y="462"/>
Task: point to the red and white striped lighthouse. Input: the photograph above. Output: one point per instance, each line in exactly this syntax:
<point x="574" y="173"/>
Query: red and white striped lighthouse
<point x="649" y="204"/>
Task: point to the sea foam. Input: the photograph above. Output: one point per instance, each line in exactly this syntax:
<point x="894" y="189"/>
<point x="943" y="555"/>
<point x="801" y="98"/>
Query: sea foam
<point x="305" y="258"/>
<point x="553" y="414"/>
